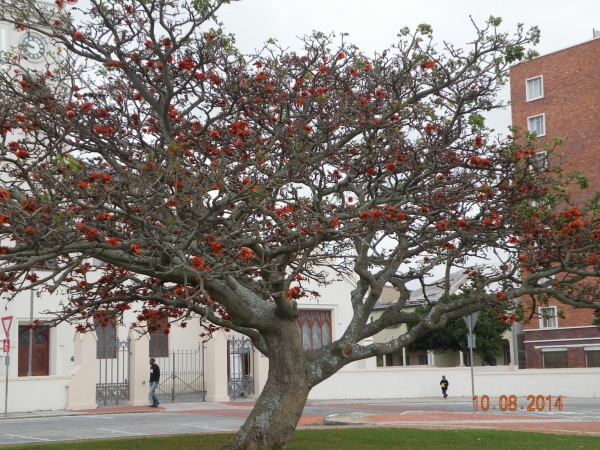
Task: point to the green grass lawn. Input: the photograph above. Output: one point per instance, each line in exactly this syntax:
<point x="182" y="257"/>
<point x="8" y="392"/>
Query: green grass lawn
<point x="357" y="438"/>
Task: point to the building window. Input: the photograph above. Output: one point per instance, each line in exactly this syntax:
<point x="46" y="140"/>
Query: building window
<point x="535" y="88"/>
<point x="379" y="360"/>
<point x="97" y="263"/>
<point x="106" y="332"/>
<point x="555" y="359"/>
<point x="592" y="358"/>
<point x="548" y="317"/>
<point x="159" y="341"/>
<point x="540" y="160"/>
<point x="537" y="124"/>
<point x="423" y="360"/>
<point x="389" y="360"/>
<point x="314" y="327"/>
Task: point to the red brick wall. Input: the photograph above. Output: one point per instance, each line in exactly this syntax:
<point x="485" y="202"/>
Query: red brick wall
<point x="562" y="333"/>
<point x="573" y="317"/>
<point x="575" y="355"/>
<point x="571" y="104"/>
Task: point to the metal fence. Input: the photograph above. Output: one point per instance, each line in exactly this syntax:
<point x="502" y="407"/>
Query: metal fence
<point x="240" y="379"/>
<point x="112" y="382"/>
<point x="181" y="375"/>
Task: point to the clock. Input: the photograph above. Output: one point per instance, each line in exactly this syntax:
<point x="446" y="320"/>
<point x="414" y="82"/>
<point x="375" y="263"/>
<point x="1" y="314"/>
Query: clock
<point x="33" y="47"/>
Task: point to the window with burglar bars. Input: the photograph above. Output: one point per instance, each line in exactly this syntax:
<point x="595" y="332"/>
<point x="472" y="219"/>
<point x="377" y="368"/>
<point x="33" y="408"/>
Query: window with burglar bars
<point x="314" y="327"/>
<point x="106" y="332"/>
<point x="159" y="341"/>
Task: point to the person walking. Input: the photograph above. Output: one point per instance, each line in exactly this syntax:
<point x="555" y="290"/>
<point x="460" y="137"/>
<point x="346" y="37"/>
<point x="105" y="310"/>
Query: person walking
<point x="154" y="379"/>
<point x="444" y="384"/>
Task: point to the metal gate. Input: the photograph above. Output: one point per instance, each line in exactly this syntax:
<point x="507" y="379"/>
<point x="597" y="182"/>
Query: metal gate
<point x="112" y="382"/>
<point x="181" y="375"/>
<point x="240" y="379"/>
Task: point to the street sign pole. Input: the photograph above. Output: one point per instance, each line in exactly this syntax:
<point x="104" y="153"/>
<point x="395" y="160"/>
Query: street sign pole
<point x="470" y="321"/>
<point x="6" y="323"/>
<point x="470" y="325"/>
<point x="7" y="362"/>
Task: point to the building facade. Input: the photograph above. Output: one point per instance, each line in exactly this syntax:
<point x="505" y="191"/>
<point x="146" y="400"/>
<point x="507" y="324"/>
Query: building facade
<point x="558" y="94"/>
<point x="447" y="359"/>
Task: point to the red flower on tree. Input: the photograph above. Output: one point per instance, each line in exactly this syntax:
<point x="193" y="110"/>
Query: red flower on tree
<point x="216" y="248"/>
<point x="114" y="242"/>
<point x="197" y="262"/>
<point x="185" y="64"/>
<point x="428" y="65"/>
<point x="246" y="253"/>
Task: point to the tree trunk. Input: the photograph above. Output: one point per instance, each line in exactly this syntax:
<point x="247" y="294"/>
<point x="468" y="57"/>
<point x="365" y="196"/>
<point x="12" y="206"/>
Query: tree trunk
<point x="273" y="420"/>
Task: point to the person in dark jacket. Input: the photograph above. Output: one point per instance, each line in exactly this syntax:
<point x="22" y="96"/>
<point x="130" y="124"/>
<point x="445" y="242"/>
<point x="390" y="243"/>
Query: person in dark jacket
<point x="154" y="379"/>
<point x="444" y="384"/>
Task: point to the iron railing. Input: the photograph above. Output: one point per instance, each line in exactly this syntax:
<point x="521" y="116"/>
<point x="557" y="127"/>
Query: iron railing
<point x="181" y="375"/>
<point x="112" y="383"/>
<point x="240" y="378"/>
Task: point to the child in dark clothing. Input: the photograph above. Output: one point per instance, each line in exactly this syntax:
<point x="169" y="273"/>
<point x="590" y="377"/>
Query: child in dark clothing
<point x="444" y="384"/>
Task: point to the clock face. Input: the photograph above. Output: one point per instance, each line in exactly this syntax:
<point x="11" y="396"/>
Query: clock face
<point x="33" y="47"/>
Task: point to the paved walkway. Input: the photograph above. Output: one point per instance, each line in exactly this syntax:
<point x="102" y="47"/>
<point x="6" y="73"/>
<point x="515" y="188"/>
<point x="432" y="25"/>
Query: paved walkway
<point x="414" y="413"/>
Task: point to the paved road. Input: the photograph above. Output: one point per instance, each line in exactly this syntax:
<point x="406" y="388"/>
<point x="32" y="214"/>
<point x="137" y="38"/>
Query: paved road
<point x="215" y="417"/>
<point x="46" y="429"/>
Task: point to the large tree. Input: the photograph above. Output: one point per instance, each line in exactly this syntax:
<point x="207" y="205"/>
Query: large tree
<point x="225" y="186"/>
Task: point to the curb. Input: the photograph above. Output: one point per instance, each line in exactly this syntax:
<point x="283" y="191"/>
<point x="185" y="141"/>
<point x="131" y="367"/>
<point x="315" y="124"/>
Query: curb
<point x="99" y="412"/>
<point x="346" y="419"/>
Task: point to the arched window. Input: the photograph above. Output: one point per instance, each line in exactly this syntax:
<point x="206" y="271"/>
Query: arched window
<point x="106" y="346"/>
<point x="314" y="327"/>
<point x="159" y="341"/>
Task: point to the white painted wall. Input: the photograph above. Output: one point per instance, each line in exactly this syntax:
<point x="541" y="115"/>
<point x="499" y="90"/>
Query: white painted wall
<point x="34" y="393"/>
<point x="61" y="337"/>
<point x="419" y="382"/>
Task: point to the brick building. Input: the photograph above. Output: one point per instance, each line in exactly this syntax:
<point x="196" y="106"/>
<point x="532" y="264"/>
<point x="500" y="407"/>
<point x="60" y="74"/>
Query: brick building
<point x="558" y="94"/>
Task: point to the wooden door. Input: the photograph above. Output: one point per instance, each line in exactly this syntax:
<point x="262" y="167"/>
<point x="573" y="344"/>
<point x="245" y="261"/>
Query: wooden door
<point x="40" y="353"/>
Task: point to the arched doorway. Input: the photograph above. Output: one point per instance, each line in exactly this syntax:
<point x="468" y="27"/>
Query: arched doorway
<point x="41" y="352"/>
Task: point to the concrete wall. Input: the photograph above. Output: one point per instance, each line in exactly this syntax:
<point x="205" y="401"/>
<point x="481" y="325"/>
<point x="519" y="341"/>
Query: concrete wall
<point x="27" y="394"/>
<point x="402" y="382"/>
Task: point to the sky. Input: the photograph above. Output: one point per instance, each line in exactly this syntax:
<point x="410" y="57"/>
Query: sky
<point x="373" y="25"/>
